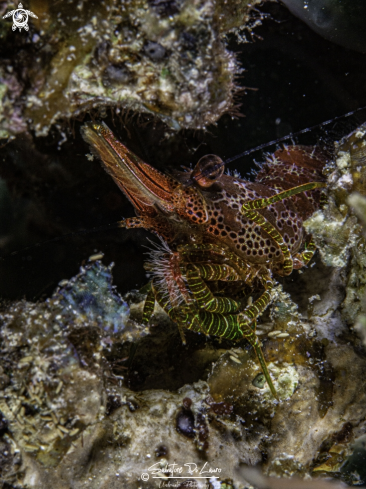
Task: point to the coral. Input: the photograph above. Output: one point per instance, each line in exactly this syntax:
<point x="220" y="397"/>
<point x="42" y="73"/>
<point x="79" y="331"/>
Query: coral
<point x="358" y="203"/>
<point x="85" y="296"/>
<point x="11" y="120"/>
<point x="163" y="58"/>
<point x="336" y="230"/>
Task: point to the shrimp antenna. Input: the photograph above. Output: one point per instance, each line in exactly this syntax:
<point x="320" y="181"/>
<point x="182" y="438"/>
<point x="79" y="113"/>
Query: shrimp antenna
<point x="214" y="168"/>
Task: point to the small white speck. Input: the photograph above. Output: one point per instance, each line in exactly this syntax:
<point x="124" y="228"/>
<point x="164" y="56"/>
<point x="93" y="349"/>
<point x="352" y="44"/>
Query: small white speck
<point x="274" y="333"/>
<point x="97" y="256"/>
<point x="234" y="359"/>
<point x="282" y="335"/>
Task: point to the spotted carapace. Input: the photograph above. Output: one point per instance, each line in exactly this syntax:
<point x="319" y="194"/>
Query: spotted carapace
<point x="220" y="234"/>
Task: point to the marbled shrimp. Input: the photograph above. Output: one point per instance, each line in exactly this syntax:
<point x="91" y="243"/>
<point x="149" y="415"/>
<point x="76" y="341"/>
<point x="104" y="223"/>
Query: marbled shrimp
<point x="220" y="234"/>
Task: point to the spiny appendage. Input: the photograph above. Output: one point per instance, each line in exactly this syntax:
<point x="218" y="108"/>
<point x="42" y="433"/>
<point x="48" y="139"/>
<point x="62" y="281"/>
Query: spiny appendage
<point x="179" y="315"/>
<point x="165" y="268"/>
<point x="203" y="295"/>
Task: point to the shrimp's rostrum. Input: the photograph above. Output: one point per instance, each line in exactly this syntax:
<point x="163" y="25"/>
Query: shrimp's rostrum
<point x="220" y="234"/>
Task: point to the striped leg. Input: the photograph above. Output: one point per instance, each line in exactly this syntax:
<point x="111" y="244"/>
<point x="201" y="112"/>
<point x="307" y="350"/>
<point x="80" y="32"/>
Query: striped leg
<point x="223" y="325"/>
<point x="214" y="321"/>
<point x="275" y="235"/>
<point x="251" y="313"/>
<point x="262" y="203"/>
<point x="211" y="272"/>
<point x="203" y="253"/>
<point x="203" y="312"/>
<point x="305" y="256"/>
<point x="248" y="322"/>
<point x="203" y="295"/>
<point x="231" y="327"/>
<point x="253" y="340"/>
<point x="149" y="305"/>
<point x="249" y="210"/>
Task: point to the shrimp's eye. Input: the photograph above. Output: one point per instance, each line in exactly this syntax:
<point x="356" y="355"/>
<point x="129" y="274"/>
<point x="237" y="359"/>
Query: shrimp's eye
<point x="208" y="170"/>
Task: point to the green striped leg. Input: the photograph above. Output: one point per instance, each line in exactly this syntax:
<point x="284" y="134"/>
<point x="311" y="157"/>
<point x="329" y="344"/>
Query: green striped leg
<point x="248" y="322"/>
<point x="235" y="326"/>
<point x="248" y="331"/>
<point x="305" y="256"/>
<point x="324" y="199"/>
<point x="253" y="340"/>
<point x="149" y="305"/>
<point x="203" y="295"/>
<point x="252" y="312"/>
<point x="203" y="253"/>
<point x="223" y="325"/>
<point x="200" y="321"/>
<point x="211" y="272"/>
<point x="262" y="203"/>
<point x="227" y="326"/>
<point x="275" y="235"/>
<point x="249" y="210"/>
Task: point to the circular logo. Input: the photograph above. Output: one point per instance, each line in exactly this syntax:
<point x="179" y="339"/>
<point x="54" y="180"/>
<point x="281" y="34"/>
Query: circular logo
<point x="144" y="476"/>
<point x="20" y="18"/>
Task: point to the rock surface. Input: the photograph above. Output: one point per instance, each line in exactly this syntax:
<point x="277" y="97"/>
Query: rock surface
<point x="164" y="58"/>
